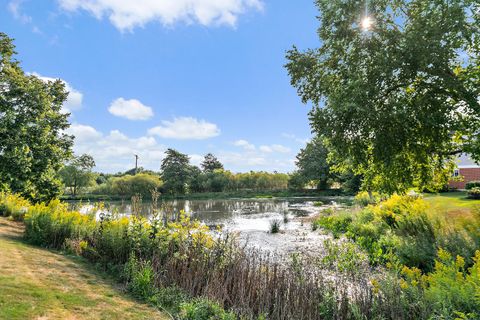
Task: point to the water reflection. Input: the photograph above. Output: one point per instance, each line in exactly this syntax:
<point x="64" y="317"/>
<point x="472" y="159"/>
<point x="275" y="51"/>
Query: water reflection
<point x="248" y="214"/>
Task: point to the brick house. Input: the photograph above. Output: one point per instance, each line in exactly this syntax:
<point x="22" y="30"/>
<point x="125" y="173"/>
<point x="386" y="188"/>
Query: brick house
<point x="466" y="169"/>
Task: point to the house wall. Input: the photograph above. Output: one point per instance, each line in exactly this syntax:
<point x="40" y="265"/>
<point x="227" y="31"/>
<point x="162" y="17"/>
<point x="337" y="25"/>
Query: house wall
<point x="468" y="174"/>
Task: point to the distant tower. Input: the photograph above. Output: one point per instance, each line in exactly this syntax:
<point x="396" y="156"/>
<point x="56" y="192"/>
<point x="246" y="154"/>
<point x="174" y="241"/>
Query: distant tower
<point x="136" y="163"/>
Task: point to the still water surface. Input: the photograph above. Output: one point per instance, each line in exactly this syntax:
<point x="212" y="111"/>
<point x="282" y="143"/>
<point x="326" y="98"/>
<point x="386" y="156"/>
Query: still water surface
<point x="234" y="214"/>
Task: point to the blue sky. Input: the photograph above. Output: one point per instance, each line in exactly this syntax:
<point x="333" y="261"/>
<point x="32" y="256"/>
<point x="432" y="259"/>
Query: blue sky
<point x="198" y="76"/>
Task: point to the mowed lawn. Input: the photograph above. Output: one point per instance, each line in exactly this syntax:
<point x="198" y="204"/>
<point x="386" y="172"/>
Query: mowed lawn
<point x="40" y="284"/>
<point x="454" y="206"/>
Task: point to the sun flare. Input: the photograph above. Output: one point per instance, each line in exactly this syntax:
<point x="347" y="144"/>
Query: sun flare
<point x="367" y="23"/>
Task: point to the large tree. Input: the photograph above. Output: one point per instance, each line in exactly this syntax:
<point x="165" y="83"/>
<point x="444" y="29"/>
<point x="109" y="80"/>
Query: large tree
<point x="33" y="143"/>
<point x="313" y="164"/>
<point x="77" y="173"/>
<point x="399" y="98"/>
<point x="176" y="171"/>
<point x="211" y="163"/>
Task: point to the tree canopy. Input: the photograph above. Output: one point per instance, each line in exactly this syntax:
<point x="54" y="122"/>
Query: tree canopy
<point x="313" y="165"/>
<point x="176" y="171"/>
<point x="211" y="163"/>
<point x="77" y="173"/>
<point x="399" y="101"/>
<point x="33" y="142"/>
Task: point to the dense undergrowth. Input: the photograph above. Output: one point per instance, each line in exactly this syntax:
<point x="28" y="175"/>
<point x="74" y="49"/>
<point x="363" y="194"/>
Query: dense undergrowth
<point x="192" y="272"/>
<point x="436" y="255"/>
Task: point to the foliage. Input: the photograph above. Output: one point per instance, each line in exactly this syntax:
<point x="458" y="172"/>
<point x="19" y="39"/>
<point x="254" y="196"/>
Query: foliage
<point x="397" y="101"/>
<point x="318" y="204"/>
<point x="474" y="193"/>
<point x="128" y="186"/>
<point x="33" y="142"/>
<point x="14" y="206"/>
<point x="175" y="172"/>
<point x="275" y="226"/>
<point x="403" y="230"/>
<point x="51" y="225"/>
<point x="344" y="257"/>
<point x="313" y="166"/>
<point x="166" y="254"/>
<point x="203" y="309"/>
<point x="337" y="223"/>
<point x="211" y="163"/>
<point x="364" y="198"/>
<point x="451" y="288"/>
<point x="472" y="184"/>
<point x="77" y="174"/>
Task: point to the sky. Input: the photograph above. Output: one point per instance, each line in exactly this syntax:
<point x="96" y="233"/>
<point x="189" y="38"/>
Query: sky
<point x="199" y="76"/>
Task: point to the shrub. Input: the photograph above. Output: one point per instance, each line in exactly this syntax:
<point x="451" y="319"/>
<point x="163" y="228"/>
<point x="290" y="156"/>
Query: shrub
<point x="364" y="198"/>
<point x="128" y="186"/>
<point x="203" y="309"/>
<point x="275" y="226"/>
<point x="397" y="230"/>
<point x="169" y="298"/>
<point x="474" y="193"/>
<point x="140" y="278"/>
<point x="170" y="262"/>
<point x="13" y="206"/>
<point x="318" y="204"/>
<point x="344" y="257"/>
<point x="51" y="225"/>
<point x="472" y="184"/>
<point x="336" y="223"/>
<point x="450" y="289"/>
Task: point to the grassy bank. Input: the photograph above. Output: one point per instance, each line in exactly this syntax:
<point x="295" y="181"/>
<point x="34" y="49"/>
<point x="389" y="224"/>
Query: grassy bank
<point x="40" y="284"/>
<point x="244" y="194"/>
<point x="181" y="267"/>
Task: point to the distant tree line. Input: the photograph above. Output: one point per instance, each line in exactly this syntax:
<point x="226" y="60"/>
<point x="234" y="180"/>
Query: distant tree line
<point x="177" y="176"/>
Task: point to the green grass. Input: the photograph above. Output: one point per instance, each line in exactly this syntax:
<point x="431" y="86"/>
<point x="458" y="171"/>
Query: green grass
<point x="451" y="200"/>
<point x="41" y="284"/>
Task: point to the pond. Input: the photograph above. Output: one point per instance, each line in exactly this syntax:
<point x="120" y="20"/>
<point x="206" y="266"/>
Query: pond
<point x="251" y="218"/>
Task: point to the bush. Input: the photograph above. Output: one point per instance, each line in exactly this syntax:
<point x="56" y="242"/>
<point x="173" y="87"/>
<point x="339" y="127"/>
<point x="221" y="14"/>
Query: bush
<point x="450" y="289"/>
<point x="128" y="186"/>
<point x="337" y="223"/>
<point x="140" y="278"/>
<point x="474" y="193"/>
<point x="13" y="206"/>
<point x="170" y="262"/>
<point x="397" y="230"/>
<point x="51" y="225"/>
<point x="275" y="226"/>
<point x="472" y="184"/>
<point x="364" y="198"/>
<point x="203" y="309"/>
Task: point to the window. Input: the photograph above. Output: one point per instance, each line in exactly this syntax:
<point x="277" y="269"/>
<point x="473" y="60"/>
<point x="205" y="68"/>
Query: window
<point x="456" y="173"/>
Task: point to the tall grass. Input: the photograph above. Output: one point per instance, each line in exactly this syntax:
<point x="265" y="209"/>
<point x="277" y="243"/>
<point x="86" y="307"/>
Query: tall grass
<point x="170" y="260"/>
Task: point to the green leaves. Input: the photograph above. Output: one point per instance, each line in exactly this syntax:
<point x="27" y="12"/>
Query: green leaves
<point x="33" y="145"/>
<point x="398" y="101"/>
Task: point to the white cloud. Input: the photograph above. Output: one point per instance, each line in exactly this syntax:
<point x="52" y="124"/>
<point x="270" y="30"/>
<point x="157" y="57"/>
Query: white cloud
<point x="75" y="97"/>
<point x="130" y="109"/>
<point x="244" y="144"/>
<point x="196" y="159"/>
<point x="15" y="10"/>
<point x="185" y="128"/>
<point x="83" y="133"/>
<point x="242" y="160"/>
<point x="128" y="14"/>
<point x="295" y="138"/>
<point x="275" y="148"/>
<point x="115" y="151"/>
